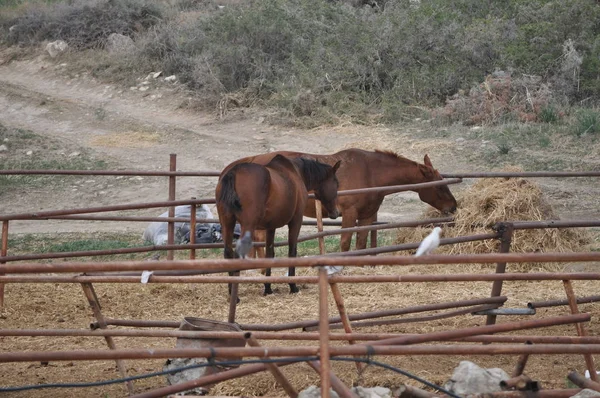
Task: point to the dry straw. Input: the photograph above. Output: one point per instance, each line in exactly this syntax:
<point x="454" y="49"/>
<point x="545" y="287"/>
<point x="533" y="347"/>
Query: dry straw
<point x="493" y="200"/>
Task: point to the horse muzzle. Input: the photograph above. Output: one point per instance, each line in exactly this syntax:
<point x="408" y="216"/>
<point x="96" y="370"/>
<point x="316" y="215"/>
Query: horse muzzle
<point x="334" y="214"/>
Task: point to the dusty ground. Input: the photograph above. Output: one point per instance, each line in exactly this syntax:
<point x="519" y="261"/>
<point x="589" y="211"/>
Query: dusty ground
<point x="138" y="130"/>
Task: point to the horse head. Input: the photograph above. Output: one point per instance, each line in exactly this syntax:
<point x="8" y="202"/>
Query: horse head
<point x="320" y="178"/>
<point x="440" y="196"/>
<point x="326" y="191"/>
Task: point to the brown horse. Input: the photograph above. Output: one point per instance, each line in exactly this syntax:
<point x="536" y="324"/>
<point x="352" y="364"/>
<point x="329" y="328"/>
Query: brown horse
<point x="365" y="169"/>
<point x="269" y="196"/>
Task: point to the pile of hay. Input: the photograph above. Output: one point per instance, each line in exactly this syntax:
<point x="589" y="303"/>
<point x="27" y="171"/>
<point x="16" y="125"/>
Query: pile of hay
<point x="494" y="200"/>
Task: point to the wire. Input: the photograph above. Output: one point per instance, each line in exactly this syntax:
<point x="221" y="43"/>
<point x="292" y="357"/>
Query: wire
<point x="367" y="360"/>
<point x="154" y="374"/>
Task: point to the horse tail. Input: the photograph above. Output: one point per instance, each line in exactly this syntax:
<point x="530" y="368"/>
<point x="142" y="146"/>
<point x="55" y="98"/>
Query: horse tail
<point x="228" y="196"/>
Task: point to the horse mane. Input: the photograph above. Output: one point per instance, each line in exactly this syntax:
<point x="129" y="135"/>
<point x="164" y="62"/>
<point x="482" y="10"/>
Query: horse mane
<point x="392" y="154"/>
<point x="314" y="172"/>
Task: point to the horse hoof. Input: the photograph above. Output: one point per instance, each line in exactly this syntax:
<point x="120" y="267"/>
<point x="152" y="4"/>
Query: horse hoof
<point x="266" y="293"/>
<point x="294" y="290"/>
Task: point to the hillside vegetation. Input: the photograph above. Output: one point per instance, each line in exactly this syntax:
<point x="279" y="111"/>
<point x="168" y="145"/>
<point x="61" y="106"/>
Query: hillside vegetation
<point x="473" y="62"/>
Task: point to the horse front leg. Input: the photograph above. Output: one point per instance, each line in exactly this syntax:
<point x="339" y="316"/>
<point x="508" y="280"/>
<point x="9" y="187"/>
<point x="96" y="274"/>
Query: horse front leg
<point x="294" y="231"/>
<point x="348" y="221"/>
<point x="270" y="253"/>
<point x="361" y="237"/>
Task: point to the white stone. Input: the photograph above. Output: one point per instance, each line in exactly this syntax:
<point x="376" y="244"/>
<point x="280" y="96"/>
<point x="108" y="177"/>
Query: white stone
<point x="144" y="88"/>
<point x="118" y="43"/>
<point x="56" y="48"/>
<point x="3" y="148"/>
<point x="468" y="378"/>
<point x="29" y="153"/>
<point x="156" y="75"/>
<point x="74" y="154"/>
<point x="171" y="78"/>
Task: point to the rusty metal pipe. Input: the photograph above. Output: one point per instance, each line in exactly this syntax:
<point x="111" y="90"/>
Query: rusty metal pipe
<point x="171" y="211"/>
<point x="372" y="227"/>
<point x="206" y="380"/>
<point x="521" y="363"/>
<point x="114" y="173"/>
<point x="412" y="246"/>
<point x="349" y="350"/>
<point x="424" y="318"/>
<point x="505" y="230"/>
<point x="582" y="382"/>
<point x="558" y="303"/>
<point x="518" y="382"/>
<point x="488" y="329"/>
<point x="324" y="358"/>
<point x="336" y="384"/>
<point x="507" y="174"/>
<point x="128" y="250"/>
<point x="313" y="336"/>
<point x="200" y="277"/>
<point x="102" y="209"/>
<point x="239" y="264"/>
<point x="3" y="254"/>
<point x="397" y="188"/>
<point x="274" y="369"/>
<point x="312" y="324"/>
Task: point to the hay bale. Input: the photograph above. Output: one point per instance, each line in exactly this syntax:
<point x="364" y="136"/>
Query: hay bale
<point x="493" y="200"/>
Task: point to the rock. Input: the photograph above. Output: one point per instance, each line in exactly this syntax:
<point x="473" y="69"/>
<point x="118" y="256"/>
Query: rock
<point x="171" y="78"/>
<point x="118" y="43"/>
<point x="375" y="392"/>
<point x="29" y="153"/>
<point x="56" y="48"/>
<point x="468" y="378"/>
<point x="156" y="75"/>
<point x="74" y="154"/>
<point x="315" y="392"/>
<point x="144" y="88"/>
<point x="586" y="393"/>
<point x="3" y="148"/>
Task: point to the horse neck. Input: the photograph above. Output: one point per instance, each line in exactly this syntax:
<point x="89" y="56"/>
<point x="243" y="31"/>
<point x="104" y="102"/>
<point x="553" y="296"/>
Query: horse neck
<point x="397" y="171"/>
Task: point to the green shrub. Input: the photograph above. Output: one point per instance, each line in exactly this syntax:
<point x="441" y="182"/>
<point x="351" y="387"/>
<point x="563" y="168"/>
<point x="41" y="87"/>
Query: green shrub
<point x="588" y="122"/>
<point x="82" y="24"/>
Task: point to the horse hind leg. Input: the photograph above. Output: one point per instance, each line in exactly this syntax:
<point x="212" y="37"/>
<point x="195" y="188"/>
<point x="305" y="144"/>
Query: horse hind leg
<point x="270" y="253"/>
<point x="294" y="231"/>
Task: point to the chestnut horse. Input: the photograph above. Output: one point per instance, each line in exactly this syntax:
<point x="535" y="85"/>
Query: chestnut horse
<point x="269" y="196"/>
<point x="366" y="169"/>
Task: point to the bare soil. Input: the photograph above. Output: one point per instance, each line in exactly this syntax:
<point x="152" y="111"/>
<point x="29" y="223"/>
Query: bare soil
<point x="138" y="130"/>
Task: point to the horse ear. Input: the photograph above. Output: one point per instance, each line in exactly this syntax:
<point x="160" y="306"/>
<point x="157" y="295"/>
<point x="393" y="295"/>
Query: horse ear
<point x="427" y="161"/>
<point x="336" y="166"/>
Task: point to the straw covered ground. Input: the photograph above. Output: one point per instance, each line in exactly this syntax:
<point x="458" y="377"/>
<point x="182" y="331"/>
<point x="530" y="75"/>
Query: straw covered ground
<point x="64" y="306"/>
<point x="493" y="200"/>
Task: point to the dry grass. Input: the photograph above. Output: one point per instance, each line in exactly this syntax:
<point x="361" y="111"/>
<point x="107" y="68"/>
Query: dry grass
<point x="493" y="200"/>
<point x="64" y="306"/>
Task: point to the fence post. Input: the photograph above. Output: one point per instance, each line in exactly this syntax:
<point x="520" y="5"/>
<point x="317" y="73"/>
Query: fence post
<point x="3" y="253"/>
<point x="193" y="229"/>
<point x="172" y="185"/>
<point x="505" y="231"/>
<point x="581" y="331"/>
<point x="90" y="294"/>
<point x="324" y="333"/>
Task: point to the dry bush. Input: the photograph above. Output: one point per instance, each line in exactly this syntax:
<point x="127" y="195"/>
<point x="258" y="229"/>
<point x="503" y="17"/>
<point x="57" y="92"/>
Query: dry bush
<point x="498" y="98"/>
<point x="494" y="200"/>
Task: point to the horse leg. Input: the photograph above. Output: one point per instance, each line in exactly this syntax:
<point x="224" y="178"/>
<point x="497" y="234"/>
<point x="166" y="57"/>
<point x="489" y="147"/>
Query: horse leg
<point x="361" y="237"/>
<point x="348" y="221"/>
<point x="294" y="231"/>
<point x="270" y="253"/>
<point x="227" y="227"/>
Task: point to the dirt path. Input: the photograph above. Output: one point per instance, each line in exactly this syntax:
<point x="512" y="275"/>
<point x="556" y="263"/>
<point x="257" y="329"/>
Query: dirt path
<point x="138" y="130"/>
